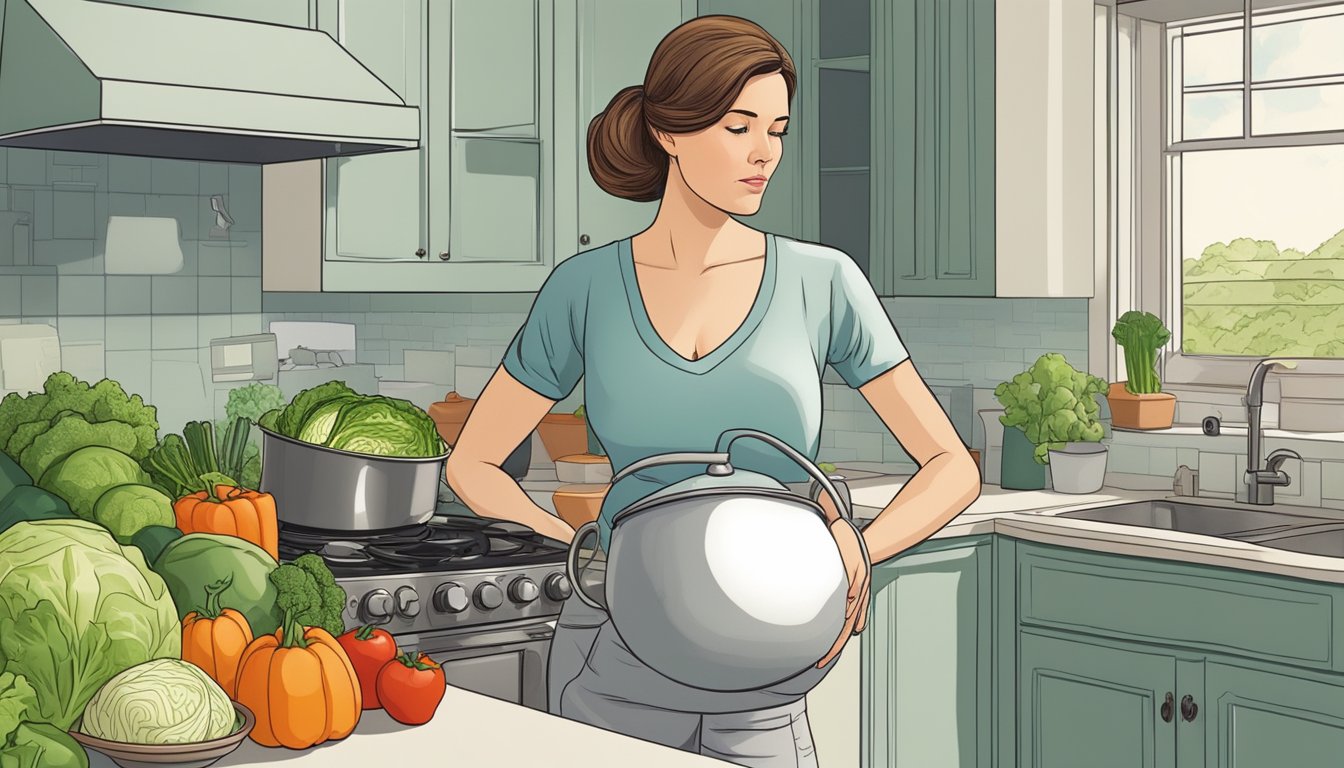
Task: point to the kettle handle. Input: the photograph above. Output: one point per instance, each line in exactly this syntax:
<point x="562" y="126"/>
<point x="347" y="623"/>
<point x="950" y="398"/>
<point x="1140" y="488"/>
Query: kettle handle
<point x="572" y="565"/>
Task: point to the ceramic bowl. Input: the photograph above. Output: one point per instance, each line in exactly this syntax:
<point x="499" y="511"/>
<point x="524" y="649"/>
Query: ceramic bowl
<point x="192" y="755"/>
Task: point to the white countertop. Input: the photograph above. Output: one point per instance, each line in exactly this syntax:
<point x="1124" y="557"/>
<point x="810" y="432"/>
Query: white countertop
<point x="472" y="731"/>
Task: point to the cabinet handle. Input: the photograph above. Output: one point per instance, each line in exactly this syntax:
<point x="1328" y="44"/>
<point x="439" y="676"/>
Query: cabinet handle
<point x="444" y="256"/>
<point x="1166" y="708"/>
<point x="584" y="240"/>
<point x="1189" y="709"/>
<point x="420" y="252"/>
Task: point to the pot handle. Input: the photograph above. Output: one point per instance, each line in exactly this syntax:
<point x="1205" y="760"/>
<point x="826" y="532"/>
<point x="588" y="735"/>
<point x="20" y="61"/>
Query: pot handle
<point x="572" y="565"/>
<point x="689" y="457"/>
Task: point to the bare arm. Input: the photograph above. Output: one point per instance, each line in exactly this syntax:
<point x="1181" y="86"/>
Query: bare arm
<point x="947" y="481"/>
<point x="506" y="412"/>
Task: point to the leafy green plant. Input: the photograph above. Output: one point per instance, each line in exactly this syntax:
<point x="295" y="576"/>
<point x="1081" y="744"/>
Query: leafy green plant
<point x="253" y="400"/>
<point x="580" y="412"/>
<point x="1142" y="334"/>
<point x="1053" y="403"/>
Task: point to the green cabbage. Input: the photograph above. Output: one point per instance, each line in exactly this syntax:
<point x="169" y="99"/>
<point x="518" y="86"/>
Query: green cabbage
<point x="84" y="475"/>
<point x="318" y="427"/>
<point x="76" y="608"/>
<point x="163" y="701"/>
<point x="67" y="435"/>
<point x="383" y="426"/>
<point x="125" y="509"/>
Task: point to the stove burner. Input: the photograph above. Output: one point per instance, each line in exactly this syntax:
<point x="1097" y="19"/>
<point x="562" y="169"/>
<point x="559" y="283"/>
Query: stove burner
<point x="443" y="544"/>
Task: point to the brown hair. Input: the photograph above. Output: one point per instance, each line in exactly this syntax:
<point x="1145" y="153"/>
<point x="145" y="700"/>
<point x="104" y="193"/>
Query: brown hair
<point x="694" y="76"/>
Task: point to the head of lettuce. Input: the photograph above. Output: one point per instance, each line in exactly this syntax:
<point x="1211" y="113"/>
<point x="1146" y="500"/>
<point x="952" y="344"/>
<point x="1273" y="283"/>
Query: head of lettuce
<point x="77" y="608"/>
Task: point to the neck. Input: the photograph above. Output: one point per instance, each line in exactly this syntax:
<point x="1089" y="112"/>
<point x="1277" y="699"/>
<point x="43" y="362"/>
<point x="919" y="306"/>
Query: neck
<point x="688" y="231"/>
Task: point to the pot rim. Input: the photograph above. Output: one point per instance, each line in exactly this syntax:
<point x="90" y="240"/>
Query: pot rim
<point x="647" y="504"/>
<point x="1080" y="448"/>
<point x="366" y="456"/>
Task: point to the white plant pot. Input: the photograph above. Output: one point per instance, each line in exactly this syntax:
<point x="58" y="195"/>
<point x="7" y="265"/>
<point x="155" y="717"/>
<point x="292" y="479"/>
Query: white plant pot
<point x="1078" y="468"/>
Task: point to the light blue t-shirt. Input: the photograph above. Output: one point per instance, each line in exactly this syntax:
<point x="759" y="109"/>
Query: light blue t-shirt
<point x="814" y="307"/>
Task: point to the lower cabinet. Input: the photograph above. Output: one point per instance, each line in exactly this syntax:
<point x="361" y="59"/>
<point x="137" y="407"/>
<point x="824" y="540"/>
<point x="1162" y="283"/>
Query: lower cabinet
<point x="1081" y="704"/>
<point x="927" y="653"/>
<point x="1258" y="718"/>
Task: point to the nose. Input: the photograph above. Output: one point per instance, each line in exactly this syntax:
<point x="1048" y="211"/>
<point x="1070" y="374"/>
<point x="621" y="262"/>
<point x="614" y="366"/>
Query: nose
<point x="760" y="151"/>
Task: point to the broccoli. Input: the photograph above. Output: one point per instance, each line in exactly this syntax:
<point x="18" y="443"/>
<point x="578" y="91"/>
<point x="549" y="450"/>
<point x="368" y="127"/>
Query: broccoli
<point x="1142" y="335"/>
<point x="253" y="400"/>
<point x="308" y="596"/>
<point x="64" y="395"/>
<point x="69" y="435"/>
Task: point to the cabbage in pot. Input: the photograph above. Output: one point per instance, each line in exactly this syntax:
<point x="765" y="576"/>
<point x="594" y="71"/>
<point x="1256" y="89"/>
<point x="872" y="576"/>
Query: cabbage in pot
<point x="163" y="701"/>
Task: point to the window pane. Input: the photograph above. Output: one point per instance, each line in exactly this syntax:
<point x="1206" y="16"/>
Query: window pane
<point x="1212" y="57"/>
<point x="1212" y="115"/>
<point x="843" y="118"/>
<point x="1297" y="110"/>
<point x="1262" y="252"/>
<point x="1303" y="48"/>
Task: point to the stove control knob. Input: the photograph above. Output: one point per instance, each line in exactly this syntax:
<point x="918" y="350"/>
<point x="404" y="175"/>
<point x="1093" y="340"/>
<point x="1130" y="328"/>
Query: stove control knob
<point x="557" y="587"/>
<point x="408" y="602"/>
<point x="450" y="598"/>
<point x="489" y="596"/>
<point x="376" y="608"/>
<point x="523" y="590"/>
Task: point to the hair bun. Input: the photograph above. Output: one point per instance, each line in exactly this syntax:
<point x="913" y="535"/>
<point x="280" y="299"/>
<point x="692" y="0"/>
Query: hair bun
<point x="623" y="158"/>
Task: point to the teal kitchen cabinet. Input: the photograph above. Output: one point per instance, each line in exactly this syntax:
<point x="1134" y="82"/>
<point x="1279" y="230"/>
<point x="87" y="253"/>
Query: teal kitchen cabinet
<point x="606" y="46"/>
<point x="1261" y="718"/>
<point x="927" y="657"/>
<point x="375" y="205"/>
<point x="1085" y="704"/>
<point x="1130" y="661"/>
<point x="782" y="209"/>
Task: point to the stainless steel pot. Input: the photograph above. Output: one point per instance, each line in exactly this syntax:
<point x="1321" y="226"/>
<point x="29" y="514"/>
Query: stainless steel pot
<point x="725" y="581"/>
<point x="319" y="487"/>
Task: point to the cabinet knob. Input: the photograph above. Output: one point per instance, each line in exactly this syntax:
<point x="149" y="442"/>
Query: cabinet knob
<point x="444" y="256"/>
<point x="420" y="252"/>
<point x="1166" y="708"/>
<point x="584" y="240"/>
<point x="1189" y="709"/>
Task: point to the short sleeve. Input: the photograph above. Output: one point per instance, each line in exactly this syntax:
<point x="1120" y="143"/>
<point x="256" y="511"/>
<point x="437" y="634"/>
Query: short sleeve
<point x="864" y="343"/>
<point x="546" y="355"/>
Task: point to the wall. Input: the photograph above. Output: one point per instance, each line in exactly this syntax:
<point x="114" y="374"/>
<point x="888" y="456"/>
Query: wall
<point x="149" y="332"/>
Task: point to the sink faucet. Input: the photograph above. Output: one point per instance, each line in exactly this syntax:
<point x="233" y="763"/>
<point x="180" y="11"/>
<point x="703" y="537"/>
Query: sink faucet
<point x="1261" y="481"/>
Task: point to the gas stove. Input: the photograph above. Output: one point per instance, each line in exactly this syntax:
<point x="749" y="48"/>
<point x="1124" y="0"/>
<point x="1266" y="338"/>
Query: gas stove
<point x="448" y="574"/>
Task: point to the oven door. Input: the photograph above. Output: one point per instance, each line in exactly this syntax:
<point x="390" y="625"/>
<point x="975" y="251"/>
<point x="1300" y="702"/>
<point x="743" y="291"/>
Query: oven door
<point x="503" y="661"/>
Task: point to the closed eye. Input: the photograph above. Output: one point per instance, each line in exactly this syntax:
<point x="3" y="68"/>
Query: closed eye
<point x="742" y="130"/>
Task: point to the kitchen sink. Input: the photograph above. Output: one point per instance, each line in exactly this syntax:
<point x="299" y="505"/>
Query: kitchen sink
<point x="1325" y="538"/>
<point x="1208" y="520"/>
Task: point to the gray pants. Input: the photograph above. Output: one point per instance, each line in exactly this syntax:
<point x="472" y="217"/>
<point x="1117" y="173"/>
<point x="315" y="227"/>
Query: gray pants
<point x="593" y="678"/>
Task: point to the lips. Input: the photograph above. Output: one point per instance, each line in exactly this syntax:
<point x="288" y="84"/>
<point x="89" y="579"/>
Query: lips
<point x="755" y="182"/>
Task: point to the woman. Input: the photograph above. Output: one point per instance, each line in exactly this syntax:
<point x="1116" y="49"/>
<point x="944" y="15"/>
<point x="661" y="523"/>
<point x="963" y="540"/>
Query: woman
<point x="697" y="325"/>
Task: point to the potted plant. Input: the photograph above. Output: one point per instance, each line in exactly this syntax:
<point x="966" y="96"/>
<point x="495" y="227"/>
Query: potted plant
<point x="1139" y="402"/>
<point x="1048" y="410"/>
<point x="564" y="434"/>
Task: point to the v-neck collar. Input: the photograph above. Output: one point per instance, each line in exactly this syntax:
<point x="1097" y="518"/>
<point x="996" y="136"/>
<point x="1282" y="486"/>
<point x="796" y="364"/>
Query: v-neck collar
<point x="660" y="347"/>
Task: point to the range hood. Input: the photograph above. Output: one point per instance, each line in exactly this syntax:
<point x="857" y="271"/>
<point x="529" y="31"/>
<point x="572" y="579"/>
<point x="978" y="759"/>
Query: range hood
<point x="86" y="76"/>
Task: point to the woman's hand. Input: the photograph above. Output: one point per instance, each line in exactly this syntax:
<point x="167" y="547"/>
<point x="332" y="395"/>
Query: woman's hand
<point x="858" y="571"/>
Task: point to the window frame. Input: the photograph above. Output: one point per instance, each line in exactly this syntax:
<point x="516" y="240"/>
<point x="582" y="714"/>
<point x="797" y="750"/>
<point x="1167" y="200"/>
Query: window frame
<point x="1147" y="273"/>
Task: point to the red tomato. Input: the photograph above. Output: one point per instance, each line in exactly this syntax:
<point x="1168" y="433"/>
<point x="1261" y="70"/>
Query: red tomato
<point x="411" y="690"/>
<point x="369" y="649"/>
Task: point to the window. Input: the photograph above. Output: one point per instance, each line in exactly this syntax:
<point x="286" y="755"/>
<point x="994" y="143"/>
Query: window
<point x="1249" y="254"/>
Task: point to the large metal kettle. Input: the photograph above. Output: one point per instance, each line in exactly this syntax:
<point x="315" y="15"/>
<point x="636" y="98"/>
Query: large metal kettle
<point x="725" y="581"/>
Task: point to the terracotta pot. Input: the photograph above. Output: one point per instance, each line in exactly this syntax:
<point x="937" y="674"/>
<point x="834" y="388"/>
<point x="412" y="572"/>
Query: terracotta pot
<point x="1131" y="411"/>
<point x="579" y="503"/>
<point x="450" y="414"/>
<point x="563" y="434"/>
<point x="583" y="468"/>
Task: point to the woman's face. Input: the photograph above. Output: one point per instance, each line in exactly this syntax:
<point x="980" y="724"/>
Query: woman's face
<point x="729" y="164"/>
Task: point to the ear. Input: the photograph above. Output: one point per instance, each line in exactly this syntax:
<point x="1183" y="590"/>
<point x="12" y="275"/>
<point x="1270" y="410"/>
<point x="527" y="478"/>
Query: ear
<point x="665" y="140"/>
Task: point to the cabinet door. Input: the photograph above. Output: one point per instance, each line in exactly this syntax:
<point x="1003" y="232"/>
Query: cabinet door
<point x="491" y="158"/>
<point x="1261" y="718"/>
<point x="927" y="659"/>
<point x="782" y="209"/>
<point x="616" y="39"/>
<point x="949" y="248"/>
<point x="1083" y="704"/>
<point x="375" y="204"/>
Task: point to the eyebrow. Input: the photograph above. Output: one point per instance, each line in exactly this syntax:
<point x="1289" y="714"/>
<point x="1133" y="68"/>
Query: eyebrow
<point x="753" y="114"/>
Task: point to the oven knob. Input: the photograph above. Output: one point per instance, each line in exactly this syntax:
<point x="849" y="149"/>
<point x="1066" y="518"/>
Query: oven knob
<point x="523" y="590"/>
<point x="489" y="597"/>
<point x="450" y="598"/>
<point x="376" y="607"/>
<point x="408" y="602"/>
<point x="557" y="587"/>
